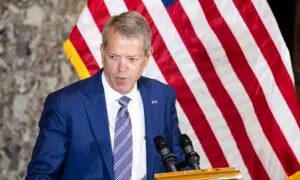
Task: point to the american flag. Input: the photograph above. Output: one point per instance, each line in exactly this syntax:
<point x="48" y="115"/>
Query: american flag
<point x="232" y="74"/>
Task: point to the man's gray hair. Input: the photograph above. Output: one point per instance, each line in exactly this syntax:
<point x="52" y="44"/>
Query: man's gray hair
<point x="130" y="24"/>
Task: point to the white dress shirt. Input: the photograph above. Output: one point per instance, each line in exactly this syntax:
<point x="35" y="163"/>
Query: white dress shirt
<point x="136" y="112"/>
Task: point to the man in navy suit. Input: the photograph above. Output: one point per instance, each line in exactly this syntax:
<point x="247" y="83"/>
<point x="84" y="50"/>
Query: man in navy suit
<point x="103" y="127"/>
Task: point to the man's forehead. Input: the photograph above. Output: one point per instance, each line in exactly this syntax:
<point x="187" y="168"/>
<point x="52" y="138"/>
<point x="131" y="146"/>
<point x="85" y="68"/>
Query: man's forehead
<point x="125" y="35"/>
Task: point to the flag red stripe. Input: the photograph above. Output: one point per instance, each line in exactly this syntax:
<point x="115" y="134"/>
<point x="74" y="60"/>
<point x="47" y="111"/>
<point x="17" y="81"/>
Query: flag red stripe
<point x="216" y="88"/>
<point x="95" y="8"/>
<point x="271" y="54"/>
<point x="253" y="88"/>
<point x="185" y="97"/>
<point x="83" y="51"/>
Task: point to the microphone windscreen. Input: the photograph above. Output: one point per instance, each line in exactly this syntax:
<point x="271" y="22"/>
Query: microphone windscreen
<point x="160" y="143"/>
<point x="167" y="158"/>
<point x="185" y="140"/>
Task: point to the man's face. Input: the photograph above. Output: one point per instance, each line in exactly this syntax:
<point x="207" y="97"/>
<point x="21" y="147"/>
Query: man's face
<point x="123" y="60"/>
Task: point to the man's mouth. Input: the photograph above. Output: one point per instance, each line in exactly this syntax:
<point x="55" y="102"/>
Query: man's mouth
<point x="121" y="78"/>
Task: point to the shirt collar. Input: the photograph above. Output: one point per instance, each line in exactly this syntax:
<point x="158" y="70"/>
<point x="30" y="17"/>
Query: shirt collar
<point x="112" y="96"/>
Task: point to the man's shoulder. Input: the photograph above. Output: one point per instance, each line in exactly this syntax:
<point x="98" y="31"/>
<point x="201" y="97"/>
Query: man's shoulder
<point x="157" y="86"/>
<point x="153" y="82"/>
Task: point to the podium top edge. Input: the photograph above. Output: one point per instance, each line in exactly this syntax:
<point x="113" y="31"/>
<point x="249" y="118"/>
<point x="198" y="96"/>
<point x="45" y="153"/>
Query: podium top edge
<point x="201" y="171"/>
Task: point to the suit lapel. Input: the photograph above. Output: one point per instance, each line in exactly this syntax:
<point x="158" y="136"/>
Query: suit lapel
<point x="151" y="124"/>
<point x="97" y="115"/>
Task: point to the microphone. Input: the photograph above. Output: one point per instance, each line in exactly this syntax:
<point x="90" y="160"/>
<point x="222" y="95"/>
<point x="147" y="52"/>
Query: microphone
<point x="167" y="158"/>
<point x="191" y="157"/>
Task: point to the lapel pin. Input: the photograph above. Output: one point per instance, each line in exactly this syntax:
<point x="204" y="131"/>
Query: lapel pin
<point x="154" y="101"/>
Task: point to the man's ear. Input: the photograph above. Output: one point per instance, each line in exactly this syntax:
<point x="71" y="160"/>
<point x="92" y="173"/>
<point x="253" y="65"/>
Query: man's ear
<point x="102" y="52"/>
<point x="148" y="55"/>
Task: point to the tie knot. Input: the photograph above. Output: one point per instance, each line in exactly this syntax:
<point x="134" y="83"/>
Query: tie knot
<point x="124" y="100"/>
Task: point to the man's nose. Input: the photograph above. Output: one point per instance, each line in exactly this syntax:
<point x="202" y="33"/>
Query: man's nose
<point x="123" y="67"/>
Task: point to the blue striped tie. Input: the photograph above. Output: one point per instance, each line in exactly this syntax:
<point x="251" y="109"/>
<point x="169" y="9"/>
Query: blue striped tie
<point x="123" y="142"/>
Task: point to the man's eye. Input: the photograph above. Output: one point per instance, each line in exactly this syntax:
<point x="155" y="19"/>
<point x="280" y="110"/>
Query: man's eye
<point x="133" y="59"/>
<point x="113" y="57"/>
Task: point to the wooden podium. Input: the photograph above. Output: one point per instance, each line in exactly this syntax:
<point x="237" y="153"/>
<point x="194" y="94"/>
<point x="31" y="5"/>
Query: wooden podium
<point x="215" y="173"/>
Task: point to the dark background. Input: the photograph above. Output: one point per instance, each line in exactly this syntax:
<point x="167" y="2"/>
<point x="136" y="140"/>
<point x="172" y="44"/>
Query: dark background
<point x="288" y="19"/>
<point x="285" y="13"/>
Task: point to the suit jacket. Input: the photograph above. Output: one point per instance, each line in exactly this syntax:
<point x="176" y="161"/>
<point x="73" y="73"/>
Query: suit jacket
<point x="74" y="140"/>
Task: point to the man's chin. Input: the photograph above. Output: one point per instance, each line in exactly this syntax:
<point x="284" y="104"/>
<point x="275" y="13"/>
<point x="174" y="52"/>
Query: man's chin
<point x="123" y="90"/>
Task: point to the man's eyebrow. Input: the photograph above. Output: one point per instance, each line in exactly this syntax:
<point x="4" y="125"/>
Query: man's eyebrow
<point x="115" y="54"/>
<point x="111" y="53"/>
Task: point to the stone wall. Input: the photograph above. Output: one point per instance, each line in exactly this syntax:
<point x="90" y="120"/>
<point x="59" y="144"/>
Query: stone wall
<point x="32" y="64"/>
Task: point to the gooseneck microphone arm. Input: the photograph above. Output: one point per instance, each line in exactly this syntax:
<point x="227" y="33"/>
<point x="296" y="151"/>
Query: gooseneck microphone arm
<point x="167" y="158"/>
